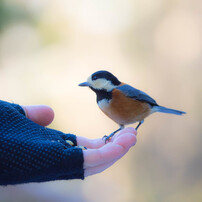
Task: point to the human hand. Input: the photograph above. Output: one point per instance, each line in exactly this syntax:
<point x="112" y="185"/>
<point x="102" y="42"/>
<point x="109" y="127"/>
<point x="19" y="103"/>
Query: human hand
<point x="99" y="156"/>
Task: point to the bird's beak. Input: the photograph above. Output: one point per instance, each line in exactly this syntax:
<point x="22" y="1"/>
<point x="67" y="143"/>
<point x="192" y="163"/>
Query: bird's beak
<point x="84" y="84"/>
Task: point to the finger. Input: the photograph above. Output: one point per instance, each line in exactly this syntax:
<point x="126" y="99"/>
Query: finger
<point x="99" y="142"/>
<point x="40" y="114"/>
<point x="90" y="143"/>
<point x="123" y="131"/>
<point x="110" y="151"/>
<point x="99" y="168"/>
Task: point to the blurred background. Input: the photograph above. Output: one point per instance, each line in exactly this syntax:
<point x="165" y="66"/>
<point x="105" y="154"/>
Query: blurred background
<point x="48" y="47"/>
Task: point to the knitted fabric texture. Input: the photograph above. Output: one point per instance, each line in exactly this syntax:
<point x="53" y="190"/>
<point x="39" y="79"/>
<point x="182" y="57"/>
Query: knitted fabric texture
<point x="33" y="153"/>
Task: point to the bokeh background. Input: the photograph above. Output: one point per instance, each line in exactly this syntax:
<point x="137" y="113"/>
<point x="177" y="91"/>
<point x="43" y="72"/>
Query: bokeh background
<point x="48" y="47"/>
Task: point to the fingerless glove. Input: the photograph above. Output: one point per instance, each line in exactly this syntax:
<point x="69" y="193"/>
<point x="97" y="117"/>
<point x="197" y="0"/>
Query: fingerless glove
<point x="33" y="153"/>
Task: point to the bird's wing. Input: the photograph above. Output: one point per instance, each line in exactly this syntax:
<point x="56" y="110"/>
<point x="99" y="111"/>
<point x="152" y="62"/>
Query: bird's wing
<point x="136" y="94"/>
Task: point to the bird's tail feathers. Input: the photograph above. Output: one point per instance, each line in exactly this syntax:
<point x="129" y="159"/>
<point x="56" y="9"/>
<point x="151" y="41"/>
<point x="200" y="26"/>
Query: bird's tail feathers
<point x="167" y="110"/>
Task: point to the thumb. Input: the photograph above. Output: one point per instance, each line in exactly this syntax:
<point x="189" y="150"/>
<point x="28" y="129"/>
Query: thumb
<point x="40" y="114"/>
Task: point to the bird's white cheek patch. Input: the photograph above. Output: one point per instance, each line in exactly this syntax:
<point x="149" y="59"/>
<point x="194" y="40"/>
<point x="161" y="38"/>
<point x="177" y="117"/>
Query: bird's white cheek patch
<point x="101" y="84"/>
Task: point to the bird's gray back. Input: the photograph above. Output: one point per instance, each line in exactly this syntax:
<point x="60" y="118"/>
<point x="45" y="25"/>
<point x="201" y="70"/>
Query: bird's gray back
<point x="136" y="94"/>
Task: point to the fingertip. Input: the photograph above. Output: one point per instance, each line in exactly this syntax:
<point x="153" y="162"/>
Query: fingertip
<point x="124" y="131"/>
<point x="127" y="140"/>
<point x="132" y="130"/>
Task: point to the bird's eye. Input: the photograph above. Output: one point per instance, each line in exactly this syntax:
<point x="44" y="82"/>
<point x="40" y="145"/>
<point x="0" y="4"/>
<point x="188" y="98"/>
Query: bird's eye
<point x="94" y="77"/>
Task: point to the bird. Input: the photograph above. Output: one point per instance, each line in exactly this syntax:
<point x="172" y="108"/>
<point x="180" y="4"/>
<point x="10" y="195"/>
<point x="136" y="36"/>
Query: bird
<point x="121" y="102"/>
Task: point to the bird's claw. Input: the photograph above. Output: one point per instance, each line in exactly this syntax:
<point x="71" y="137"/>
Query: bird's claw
<point x="106" y="138"/>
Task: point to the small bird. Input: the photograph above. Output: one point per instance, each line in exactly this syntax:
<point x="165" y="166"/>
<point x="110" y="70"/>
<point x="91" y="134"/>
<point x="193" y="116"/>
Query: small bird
<point x="121" y="102"/>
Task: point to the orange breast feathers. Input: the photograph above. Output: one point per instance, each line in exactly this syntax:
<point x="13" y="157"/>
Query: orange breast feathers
<point x="124" y="110"/>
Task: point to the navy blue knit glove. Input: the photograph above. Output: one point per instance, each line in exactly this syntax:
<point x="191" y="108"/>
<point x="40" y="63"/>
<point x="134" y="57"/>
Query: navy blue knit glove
<point x="33" y="153"/>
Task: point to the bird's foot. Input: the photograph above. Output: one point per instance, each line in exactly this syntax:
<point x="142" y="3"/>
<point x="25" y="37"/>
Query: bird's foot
<point x="108" y="138"/>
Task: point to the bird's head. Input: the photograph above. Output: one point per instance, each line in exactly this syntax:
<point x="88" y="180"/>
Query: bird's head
<point x="101" y="80"/>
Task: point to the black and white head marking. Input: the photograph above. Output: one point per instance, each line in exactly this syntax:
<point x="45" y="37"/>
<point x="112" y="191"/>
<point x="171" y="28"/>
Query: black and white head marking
<point x="103" y="80"/>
